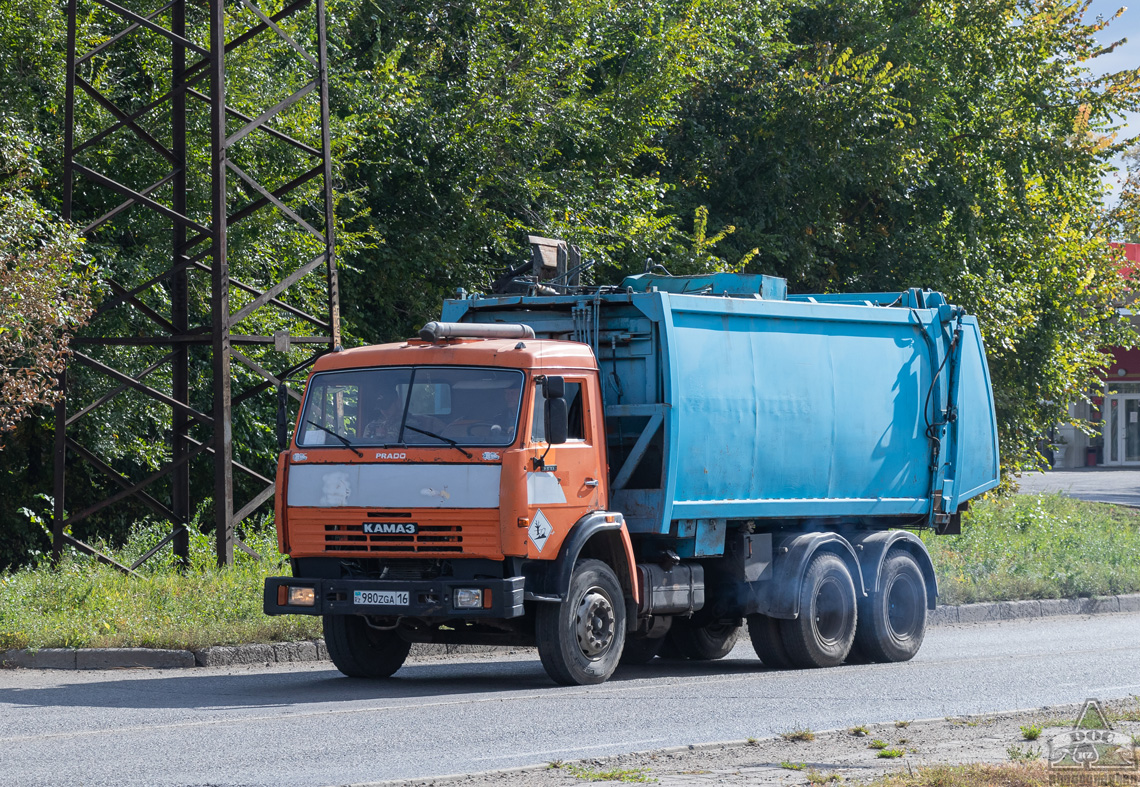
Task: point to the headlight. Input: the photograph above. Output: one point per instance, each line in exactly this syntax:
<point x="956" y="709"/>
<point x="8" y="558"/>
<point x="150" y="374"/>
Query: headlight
<point x="468" y="598"/>
<point x="302" y="597"/>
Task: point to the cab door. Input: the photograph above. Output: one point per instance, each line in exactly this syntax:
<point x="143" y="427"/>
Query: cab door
<point x="567" y="481"/>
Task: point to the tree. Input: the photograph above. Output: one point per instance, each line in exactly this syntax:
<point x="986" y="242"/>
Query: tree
<point x="958" y="145"/>
<point x="1125" y="217"/>
<point x="480" y="122"/>
<point x="45" y="287"/>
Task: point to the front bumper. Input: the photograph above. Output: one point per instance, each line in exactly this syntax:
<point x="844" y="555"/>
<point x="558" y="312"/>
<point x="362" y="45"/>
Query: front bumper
<point x="432" y="598"/>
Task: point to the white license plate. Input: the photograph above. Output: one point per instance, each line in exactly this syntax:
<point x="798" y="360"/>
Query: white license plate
<point x="387" y="598"/>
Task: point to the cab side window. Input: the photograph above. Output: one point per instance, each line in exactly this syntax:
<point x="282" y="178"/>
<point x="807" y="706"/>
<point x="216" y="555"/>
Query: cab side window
<point x="574" y="406"/>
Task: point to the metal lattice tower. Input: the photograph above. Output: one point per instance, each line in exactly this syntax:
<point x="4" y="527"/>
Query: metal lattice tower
<point x="222" y="145"/>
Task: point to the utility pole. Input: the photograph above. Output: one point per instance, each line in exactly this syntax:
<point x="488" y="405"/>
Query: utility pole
<point x="166" y="345"/>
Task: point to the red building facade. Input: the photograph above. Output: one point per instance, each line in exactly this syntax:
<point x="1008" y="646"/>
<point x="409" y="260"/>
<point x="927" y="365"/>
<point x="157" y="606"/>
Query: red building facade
<point x="1117" y="409"/>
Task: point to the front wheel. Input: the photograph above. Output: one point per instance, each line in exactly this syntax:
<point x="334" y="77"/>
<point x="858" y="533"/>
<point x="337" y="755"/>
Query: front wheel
<point x="892" y="622"/>
<point x="703" y="643"/>
<point x="580" y="639"/>
<point x="360" y="651"/>
<point x="822" y="634"/>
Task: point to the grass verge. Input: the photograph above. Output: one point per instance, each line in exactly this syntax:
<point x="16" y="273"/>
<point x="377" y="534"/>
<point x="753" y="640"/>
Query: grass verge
<point x="85" y="604"/>
<point x="1018" y="547"/>
<point x="639" y="775"/>
<point x="1038" y="546"/>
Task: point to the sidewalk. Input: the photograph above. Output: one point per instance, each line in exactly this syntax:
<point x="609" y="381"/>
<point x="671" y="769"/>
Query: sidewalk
<point x="1120" y="485"/>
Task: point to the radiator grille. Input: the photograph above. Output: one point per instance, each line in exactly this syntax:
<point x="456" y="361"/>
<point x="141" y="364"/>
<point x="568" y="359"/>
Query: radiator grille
<point x="441" y="533"/>
<point x="430" y="538"/>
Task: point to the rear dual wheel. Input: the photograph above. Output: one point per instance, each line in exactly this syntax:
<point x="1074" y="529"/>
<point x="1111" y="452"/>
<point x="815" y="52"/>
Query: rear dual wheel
<point x="822" y="634"/>
<point x="641" y="650"/>
<point x="767" y="641"/>
<point x="892" y="622"/>
<point x="703" y="643"/>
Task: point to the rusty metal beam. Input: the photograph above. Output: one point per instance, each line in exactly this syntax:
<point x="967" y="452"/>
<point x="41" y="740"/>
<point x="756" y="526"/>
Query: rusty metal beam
<point x="196" y="244"/>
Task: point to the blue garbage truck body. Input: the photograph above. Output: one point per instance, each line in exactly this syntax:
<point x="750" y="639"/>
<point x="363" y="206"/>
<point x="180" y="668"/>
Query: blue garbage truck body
<point x="738" y="403"/>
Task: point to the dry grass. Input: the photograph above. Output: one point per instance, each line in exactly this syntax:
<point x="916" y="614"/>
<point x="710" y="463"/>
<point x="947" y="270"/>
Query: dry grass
<point x="638" y="775"/>
<point x="798" y="736"/>
<point x="1012" y="775"/>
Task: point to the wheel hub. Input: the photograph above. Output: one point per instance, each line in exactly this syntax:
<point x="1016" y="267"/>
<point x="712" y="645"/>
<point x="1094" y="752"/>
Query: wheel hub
<point x="830" y="612"/>
<point x="596" y="623"/>
<point x="902" y="608"/>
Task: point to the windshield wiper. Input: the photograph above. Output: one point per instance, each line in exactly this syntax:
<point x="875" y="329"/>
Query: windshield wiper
<point x="342" y="438"/>
<point x="447" y="440"/>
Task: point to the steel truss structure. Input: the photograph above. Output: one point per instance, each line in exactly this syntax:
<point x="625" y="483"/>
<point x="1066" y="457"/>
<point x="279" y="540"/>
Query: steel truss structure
<point x="248" y="282"/>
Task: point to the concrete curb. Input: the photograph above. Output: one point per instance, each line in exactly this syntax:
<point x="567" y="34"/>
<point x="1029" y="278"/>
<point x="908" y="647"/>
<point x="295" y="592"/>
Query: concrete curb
<point x="315" y="650"/>
<point x="1022" y="610"/>
<point x="215" y="656"/>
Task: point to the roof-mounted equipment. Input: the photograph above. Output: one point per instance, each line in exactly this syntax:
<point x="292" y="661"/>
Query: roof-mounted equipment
<point x="438" y="331"/>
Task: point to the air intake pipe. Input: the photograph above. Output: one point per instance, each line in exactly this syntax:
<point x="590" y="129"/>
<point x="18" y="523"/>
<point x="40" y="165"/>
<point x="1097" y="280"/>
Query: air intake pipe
<point x="436" y="331"/>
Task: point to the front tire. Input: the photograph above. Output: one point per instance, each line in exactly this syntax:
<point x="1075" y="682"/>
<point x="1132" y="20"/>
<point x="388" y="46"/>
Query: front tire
<point x="360" y="651"/>
<point x="822" y="634"/>
<point x="892" y="622"/>
<point x="703" y="643"/>
<point x="580" y="640"/>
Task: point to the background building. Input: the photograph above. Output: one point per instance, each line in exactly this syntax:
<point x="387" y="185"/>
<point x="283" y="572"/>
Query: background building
<point x="1117" y="408"/>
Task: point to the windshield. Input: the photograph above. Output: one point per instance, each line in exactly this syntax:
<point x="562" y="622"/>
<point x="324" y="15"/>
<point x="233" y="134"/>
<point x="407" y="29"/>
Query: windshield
<point x="412" y="406"/>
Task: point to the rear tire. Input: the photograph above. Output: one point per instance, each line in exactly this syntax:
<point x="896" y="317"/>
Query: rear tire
<point x="892" y="622"/>
<point x="360" y="651"/>
<point x="703" y="643"/>
<point x="768" y="641"/>
<point x="822" y="634"/>
<point x="641" y="650"/>
<point x="580" y="640"/>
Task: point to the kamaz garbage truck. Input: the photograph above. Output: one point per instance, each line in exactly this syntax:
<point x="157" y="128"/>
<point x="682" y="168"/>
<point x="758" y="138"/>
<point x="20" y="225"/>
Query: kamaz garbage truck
<point x="613" y="473"/>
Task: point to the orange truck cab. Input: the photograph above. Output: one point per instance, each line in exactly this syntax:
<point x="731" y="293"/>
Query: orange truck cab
<point x="421" y="500"/>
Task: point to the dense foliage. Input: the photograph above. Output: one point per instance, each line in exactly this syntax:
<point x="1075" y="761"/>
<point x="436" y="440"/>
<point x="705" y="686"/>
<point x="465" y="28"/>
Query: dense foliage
<point x="954" y="144"/>
<point x="1125" y="217"/>
<point x="45" y="287"/>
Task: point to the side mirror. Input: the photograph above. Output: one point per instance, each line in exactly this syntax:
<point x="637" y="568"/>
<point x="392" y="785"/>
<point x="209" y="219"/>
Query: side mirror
<point x="555" y="387"/>
<point x="557" y="421"/>
<point x="282" y="422"/>
<point x="555" y="413"/>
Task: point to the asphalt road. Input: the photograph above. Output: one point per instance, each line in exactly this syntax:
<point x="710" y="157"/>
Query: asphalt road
<point x="307" y="725"/>
<point x="1120" y="485"/>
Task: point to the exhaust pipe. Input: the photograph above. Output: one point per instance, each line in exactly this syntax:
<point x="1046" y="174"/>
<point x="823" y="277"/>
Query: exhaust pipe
<point x="436" y="331"/>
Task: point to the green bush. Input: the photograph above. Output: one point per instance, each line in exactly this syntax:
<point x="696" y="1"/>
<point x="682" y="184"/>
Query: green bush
<point x="1038" y="546"/>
